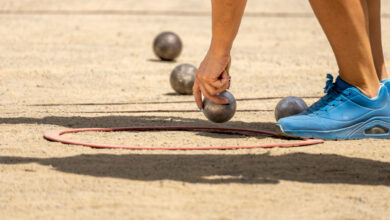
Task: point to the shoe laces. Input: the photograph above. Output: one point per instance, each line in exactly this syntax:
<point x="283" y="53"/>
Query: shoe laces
<point x="330" y="100"/>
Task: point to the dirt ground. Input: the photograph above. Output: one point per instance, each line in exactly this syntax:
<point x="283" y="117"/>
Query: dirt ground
<point x="72" y="52"/>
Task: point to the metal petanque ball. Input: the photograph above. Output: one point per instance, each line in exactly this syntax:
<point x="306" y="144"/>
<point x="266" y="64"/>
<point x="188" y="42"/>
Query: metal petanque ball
<point x="182" y="78"/>
<point x="167" y="46"/>
<point x="220" y="113"/>
<point x="289" y="106"/>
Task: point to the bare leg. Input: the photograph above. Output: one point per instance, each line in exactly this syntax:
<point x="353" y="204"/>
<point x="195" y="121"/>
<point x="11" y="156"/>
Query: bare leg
<point x="374" y="9"/>
<point x="345" y="24"/>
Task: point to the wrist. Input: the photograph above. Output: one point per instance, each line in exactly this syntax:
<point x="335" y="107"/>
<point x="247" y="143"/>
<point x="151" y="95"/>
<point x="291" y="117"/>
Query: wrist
<point x="219" y="51"/>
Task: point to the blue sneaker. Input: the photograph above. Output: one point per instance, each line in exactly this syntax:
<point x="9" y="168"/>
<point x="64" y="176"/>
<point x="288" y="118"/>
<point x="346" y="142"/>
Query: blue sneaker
<point x="343" y="113"/>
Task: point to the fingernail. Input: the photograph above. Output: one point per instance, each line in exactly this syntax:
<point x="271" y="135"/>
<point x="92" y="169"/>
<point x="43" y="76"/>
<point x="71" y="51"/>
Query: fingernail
<point x="200" y="109"/>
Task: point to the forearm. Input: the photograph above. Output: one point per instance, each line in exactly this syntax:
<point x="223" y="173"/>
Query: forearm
<point x="226" y="19"/>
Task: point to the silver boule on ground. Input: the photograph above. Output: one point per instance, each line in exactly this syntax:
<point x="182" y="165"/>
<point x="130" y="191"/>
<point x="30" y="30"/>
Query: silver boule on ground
<point x="182" y="78"/>
<point x="289" y="106"/>
<point x="167" y="46"/>
<point x="220" y="113"/>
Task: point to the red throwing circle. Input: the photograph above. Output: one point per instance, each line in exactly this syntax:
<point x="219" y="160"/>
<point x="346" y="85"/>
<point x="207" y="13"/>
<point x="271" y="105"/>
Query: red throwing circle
<point x="55" y="135"/>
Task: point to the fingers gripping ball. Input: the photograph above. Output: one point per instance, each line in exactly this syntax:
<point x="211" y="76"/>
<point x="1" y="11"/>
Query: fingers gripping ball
<point x="220" y="113"/>
<point x="182" y="78"/>
<point x="167" y="46"/>
<point x="289" y="106"/>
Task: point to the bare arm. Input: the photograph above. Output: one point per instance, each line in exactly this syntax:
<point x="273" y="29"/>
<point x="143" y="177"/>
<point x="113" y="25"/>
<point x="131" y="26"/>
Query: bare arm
<point x="211" y="78"/>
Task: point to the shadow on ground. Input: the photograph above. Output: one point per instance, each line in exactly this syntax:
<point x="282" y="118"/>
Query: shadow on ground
<point x="214" y="169"/>
<point x="131" y="121"/>
<point x="217" y="169"/>
<point x="155" y="60"/>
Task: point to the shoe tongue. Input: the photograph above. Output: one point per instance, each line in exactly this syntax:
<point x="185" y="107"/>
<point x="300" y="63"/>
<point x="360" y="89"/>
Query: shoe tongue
<point x="341" y="84"/>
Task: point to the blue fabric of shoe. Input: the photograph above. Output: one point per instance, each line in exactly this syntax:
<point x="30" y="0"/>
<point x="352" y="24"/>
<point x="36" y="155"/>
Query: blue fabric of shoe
<point x="343" y="113"/>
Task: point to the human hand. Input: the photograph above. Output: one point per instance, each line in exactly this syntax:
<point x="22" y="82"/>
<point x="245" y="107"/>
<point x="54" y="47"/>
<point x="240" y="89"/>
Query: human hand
<point x="212" y="78"/>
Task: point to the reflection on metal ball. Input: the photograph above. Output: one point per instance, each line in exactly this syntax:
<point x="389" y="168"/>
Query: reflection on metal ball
<point x="220" y="113"/>
<point x="289" y="106"/>
<point x="167" y="46"/>
<point x="182" y="78"/>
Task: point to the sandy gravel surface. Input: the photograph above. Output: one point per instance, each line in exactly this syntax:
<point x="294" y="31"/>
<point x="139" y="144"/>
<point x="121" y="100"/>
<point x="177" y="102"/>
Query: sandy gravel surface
<point x="57" y="55"/>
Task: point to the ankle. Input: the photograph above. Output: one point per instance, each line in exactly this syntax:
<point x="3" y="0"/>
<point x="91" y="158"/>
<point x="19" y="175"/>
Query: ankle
<point x="370" y="91"/>
<point x="367" y="84"/>
<point x="382" y="74"/>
